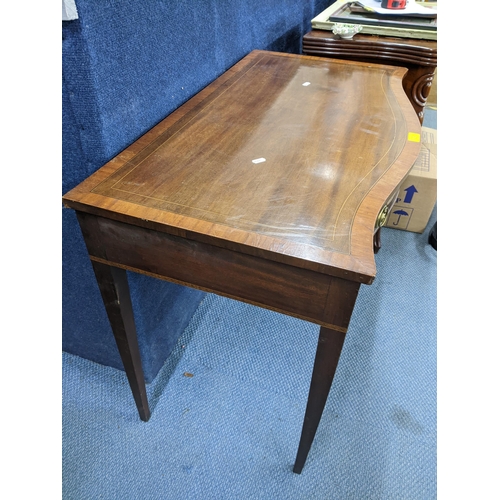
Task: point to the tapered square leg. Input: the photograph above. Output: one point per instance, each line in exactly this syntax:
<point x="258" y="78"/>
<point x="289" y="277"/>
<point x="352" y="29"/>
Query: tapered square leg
<point x="113" y="285"/>
<point x="327" y="356"/>
<point x="115" y="293"/>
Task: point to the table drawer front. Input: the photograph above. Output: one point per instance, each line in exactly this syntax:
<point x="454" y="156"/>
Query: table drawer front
<point x="273" y="285"/>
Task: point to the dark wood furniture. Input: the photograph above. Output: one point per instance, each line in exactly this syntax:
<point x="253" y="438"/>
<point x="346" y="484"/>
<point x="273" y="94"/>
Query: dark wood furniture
<point x="419" y="56"/>
<point x="265" y="187"/>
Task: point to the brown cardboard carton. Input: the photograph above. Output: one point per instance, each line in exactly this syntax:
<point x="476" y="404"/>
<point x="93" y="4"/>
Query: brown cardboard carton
<point x="418" y="193"/>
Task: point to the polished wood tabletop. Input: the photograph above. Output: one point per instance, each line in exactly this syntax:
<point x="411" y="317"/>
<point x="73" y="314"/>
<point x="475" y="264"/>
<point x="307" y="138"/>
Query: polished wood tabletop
<point x="419" y="57"/>
<point x="266" y="187"/>
<point x="293" y="156"/>
<point x="385" y="48"/>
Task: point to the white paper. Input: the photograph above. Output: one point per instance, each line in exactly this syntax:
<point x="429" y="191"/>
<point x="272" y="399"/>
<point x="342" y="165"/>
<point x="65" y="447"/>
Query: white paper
<point x="69" y="12"/>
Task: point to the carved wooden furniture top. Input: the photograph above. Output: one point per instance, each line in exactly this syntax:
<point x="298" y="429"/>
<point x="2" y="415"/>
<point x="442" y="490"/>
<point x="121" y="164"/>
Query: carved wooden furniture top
<point x="285" y="157"/>
<point x="407" y="50"/>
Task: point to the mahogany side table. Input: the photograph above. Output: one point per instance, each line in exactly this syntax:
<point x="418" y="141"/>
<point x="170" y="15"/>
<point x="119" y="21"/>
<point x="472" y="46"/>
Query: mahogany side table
<point x="266" y="187"/>
<point x="419" y="56"/>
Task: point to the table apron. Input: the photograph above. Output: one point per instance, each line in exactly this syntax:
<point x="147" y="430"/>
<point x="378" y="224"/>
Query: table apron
<point x="322" y="299"/>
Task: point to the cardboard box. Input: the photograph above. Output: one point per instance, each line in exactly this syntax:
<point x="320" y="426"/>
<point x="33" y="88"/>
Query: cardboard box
<point x="418" y="193"/>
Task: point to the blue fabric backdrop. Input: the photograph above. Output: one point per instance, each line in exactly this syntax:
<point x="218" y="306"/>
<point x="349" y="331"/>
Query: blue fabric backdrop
<point x="126" y="65"/>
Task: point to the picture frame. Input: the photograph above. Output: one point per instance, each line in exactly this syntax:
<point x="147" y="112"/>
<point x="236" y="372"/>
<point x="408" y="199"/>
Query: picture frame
<point x="349" y="12"/>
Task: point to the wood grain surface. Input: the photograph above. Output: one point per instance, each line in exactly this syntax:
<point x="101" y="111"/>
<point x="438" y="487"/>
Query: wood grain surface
<point x="385" y="49"/>
<point x="284" y="157"/>
<point x="419" y="57"/>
